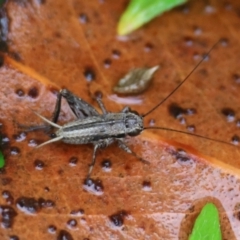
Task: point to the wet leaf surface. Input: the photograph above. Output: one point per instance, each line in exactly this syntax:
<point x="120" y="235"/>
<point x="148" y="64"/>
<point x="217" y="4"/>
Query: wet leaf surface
<point x="73" y="44"/>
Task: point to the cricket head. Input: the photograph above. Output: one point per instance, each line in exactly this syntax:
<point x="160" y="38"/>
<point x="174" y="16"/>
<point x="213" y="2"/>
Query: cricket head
<point x="133" y="123"/>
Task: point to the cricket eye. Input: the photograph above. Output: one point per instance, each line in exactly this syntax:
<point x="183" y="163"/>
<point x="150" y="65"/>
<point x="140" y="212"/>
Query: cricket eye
<point x="133" y="134"/>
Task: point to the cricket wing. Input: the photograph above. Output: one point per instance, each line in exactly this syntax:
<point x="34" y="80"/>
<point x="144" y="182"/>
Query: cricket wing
<point x="79" y="107"/>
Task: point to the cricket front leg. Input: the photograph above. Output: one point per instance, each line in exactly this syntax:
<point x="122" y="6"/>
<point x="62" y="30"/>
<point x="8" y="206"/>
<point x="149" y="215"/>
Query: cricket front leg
<point x="123" y="146"/>
<point x="93" y="160"/>
<point x="100" y="144"/>
<point x="101" y="105"/>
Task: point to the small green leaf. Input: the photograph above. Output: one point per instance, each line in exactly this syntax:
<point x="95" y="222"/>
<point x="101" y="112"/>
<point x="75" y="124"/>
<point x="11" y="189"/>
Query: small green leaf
<point x="140" y="12"/>
<point x="2" y="161"/>
<point x="207" y="225"/>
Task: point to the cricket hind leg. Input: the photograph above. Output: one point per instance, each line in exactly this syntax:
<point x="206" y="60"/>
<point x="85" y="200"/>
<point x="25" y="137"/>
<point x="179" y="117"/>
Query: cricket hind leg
<point x="123" y="146"/>
<point x="46" y="128"/>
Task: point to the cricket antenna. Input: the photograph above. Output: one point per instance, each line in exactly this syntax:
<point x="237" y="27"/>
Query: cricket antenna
<point x="191" y="134"/>
<point x="185" y="79"/>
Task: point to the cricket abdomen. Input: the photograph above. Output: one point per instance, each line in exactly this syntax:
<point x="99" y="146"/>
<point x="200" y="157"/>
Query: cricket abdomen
<point x="95" y="128"/>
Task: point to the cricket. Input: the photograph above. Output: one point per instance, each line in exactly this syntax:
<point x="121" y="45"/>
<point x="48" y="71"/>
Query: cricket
<point x="103" y="129"/>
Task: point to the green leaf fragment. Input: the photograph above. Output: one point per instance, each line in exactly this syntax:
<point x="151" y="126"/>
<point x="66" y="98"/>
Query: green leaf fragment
<point x="140" y="12"/>
<point x="207" y="225"/>
<point x="2" y="161"/>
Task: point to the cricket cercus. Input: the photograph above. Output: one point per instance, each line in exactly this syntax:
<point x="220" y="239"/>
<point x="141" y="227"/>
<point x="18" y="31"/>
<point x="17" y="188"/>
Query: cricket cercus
<point x="101" y="130"/>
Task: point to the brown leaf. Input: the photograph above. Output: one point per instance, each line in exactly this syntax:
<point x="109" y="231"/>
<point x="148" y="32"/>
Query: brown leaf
<point x="73" y="44"/>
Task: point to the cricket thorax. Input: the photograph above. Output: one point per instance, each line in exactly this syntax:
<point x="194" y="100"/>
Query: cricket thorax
<point x="92" y="129"/>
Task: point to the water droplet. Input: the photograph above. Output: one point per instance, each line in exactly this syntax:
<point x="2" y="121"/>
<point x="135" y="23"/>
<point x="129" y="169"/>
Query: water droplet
<point x="39" y="165"/>
<point x="238" y="123"/>
<point x="182" y="120"/>
<point x="73" y="161"/>
<point x="191" y="111"/>
<point x="229" y="114"/>
<point x="83" y="18"/>
<point x="188" y="41"/>
<point x="196" y="56"/>
<point x="206" y="58"/>
<point x="191" y="128"/>
<point x="32" y="143"/>
<point x="175" y="110"/>
<point x="45" y="203"/>
<point x="77" y="213"/>
<point x="224" y="42"/>
<point x="13" y="237"/>
<point x="146" y="186"/>
<point x="98" y="187"/>
<point x="28" y="205"/>
<point x="10" y="200"/>
<point x="89" y="74"/>
<point x="6" y="194"/>
<point x="8" y="214"/>
<point x="116" y="54"/>
<point x="118" y="218"/>
<point x="209" y="9"/>
<point x="107" y="63"/>
<point x="20" y="92"/>
<point x="182" y="156"/>
<point x="5" y="139"/>
<point x="20" y="137"/>
<point x="72" y="223"/>
<point x="93" y="186"/>
<point x="235" y="140"/>
<point x="106" y="165"/>
<point x="197" y="31"/>
<point x="185" y="10"/>
<point x="151" y="122"/>
<point x="33" y="92"/>
<point x="148" y="47"/>
<point x="236" y="78"/>
<point x="14" y="151"/>
<point x="64" y="235"/>
<point x="52" y="229"/>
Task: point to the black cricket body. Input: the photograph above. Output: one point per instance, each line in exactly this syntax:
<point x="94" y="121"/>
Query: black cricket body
<point x="101" y="130"/>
